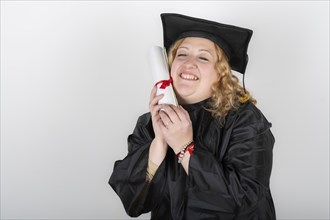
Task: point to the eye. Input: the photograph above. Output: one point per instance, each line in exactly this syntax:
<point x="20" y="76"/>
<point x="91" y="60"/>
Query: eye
<point x="203" y="58"/>
<point x="182" y="55"/>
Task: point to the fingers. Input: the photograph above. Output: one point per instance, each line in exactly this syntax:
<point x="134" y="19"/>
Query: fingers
<point x="165" y="118"/>
<point x="153" y="93"/>
<point x="183" y="114"/>
<point x="162" y="126"/>
<point x="176" y="113"/>
<point x="154" y="99"/>
<point x="168" y="114"/>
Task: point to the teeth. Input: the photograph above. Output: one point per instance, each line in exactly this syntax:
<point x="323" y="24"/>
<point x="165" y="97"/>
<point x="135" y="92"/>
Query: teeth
<point x="188" y="76"/>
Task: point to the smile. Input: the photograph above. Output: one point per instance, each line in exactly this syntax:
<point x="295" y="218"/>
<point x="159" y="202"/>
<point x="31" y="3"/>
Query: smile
<point x="188" y="76"/>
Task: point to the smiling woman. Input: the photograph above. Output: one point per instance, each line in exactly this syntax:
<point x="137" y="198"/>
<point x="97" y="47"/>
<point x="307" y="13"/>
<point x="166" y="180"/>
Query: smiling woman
<point x="75" y="76"/>
<point x="193" y="70"/>
<point x="210" y="157"/>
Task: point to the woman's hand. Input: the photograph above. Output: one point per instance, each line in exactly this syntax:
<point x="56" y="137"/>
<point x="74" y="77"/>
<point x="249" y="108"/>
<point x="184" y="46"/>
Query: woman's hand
<point x="154" y="110"/>
<point x="175" y="126"/>
<point x="158" y="147"/>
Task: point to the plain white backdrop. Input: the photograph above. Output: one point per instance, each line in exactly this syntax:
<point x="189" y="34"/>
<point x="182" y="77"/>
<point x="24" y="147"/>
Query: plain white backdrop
<point x="75" y="76"/>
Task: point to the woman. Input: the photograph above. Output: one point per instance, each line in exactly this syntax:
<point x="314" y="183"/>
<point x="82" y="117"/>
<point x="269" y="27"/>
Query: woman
<point x="210" y="157"/>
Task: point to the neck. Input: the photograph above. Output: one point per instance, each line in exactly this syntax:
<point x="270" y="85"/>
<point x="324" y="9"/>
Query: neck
<point x="187" y="101"/>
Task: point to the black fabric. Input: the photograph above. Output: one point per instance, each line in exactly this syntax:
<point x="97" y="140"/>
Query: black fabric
<point x="232" y="39"/>
<point x="229" y="171"/>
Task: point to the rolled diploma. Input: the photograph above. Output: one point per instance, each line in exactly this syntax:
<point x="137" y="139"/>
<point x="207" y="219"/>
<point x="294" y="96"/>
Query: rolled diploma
<point x="159" y="70"/>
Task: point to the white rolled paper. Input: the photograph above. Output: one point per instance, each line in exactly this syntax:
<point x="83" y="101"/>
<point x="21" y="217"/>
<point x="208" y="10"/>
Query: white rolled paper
<point x="160" y="72"/>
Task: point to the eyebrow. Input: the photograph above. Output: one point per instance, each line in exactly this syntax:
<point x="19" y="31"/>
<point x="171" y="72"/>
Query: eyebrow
<point x="181" y="47"/>
<point x="202" y="50"/>
<point x="205" y="50"/>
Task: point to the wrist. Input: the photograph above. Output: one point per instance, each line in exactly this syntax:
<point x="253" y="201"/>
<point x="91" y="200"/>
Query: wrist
<point x="160" y="142"/>
<point x="179" y="148"/>
<point x="188" y="148"/>
<point x="157" y="151"/>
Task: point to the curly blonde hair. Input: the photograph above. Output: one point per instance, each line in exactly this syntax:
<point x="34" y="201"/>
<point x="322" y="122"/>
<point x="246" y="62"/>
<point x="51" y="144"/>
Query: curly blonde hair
<point x="227" y="93"/>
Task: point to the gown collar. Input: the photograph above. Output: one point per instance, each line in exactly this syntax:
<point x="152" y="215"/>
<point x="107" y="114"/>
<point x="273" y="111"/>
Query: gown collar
<point x="195" y="106"/>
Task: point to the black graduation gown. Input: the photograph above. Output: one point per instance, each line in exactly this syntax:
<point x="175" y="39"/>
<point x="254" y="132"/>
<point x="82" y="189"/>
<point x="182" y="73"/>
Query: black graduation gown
<point x="229" y="170"/>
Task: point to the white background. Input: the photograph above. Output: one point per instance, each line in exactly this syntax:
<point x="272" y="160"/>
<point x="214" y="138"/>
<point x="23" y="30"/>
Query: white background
<point x="75" y="76"/>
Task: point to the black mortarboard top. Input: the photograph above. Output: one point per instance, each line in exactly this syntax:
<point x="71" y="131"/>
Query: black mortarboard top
<point x="232" y="39"/>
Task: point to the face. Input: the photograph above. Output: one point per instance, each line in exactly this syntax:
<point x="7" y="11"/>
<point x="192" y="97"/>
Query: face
<point x="193" y="70"/>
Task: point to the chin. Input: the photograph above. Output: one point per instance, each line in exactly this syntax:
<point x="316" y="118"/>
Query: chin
<point x="186" y="96"/>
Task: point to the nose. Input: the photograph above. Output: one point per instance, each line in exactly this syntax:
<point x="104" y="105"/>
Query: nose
<point x="190" y="63"/>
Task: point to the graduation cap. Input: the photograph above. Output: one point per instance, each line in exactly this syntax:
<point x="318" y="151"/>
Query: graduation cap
<point x="232" y="39"/>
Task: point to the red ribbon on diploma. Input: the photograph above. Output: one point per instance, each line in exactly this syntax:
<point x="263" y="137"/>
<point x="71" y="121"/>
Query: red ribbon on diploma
<point x="165" y="83"/>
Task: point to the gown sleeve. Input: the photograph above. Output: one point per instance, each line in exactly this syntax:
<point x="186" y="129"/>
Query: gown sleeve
<point x="128" y="178"/>
<point x="236" y="180"/>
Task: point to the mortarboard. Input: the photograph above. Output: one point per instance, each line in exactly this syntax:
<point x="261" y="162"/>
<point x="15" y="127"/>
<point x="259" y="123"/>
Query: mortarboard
<point x="232" y="39"/>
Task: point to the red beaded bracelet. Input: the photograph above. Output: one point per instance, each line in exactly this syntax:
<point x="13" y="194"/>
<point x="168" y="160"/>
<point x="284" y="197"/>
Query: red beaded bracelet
<point x="188" y="147"/>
